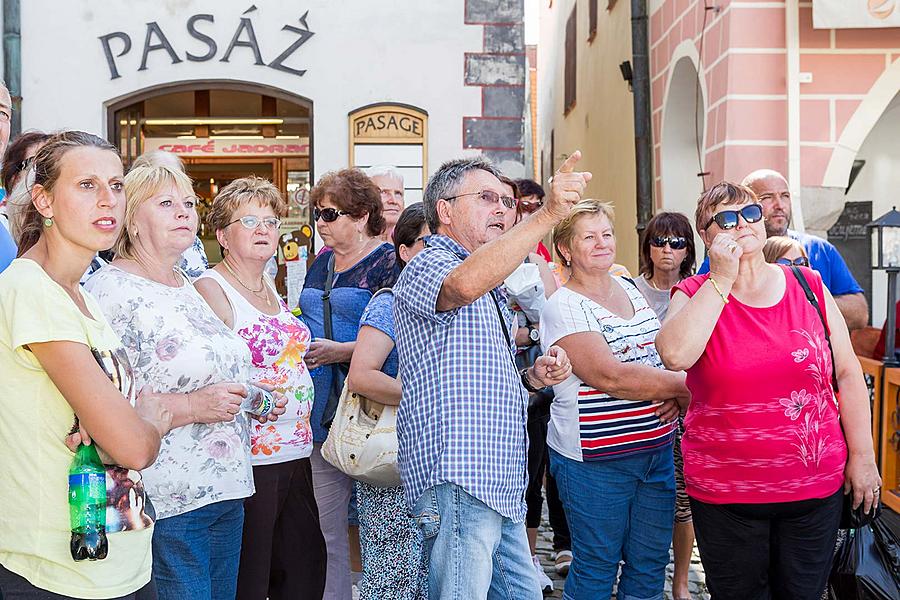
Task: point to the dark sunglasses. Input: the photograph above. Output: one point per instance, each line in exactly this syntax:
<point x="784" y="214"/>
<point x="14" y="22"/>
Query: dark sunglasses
<point x="674" y="242"/>
<point x="728" y="219"/>
<point x="23" y="166"/>
<point x="797" y="262"/>
<point x="329" y="215"/>
<point x="489" y="197"/>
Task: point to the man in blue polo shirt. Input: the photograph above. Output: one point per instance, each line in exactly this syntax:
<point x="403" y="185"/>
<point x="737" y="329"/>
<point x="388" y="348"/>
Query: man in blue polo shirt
<point x="775" y="196"/>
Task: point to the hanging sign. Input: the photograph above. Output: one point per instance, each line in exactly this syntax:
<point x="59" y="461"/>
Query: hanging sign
<point x="855" y="14"/>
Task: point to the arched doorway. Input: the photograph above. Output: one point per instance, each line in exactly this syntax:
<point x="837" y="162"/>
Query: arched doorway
<point x="222" y="130"/>
<point x="681" y="152"/>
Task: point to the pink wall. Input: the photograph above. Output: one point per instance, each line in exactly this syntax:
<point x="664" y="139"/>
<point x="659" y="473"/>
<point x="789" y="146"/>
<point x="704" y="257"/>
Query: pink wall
<point x="744" y="69"/>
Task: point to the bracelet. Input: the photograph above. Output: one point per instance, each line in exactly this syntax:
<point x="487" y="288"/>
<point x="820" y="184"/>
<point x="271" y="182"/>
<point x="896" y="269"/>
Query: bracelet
<point x="523" y="374"/>
<point x="716" y="285"/>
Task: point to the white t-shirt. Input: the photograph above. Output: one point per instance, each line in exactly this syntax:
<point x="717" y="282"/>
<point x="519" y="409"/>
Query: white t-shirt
<point x="177" y="344"/>
<point x="587" y="424"/>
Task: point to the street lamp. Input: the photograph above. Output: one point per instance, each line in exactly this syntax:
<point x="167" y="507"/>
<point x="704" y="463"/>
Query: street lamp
<point x="886" y="256"/>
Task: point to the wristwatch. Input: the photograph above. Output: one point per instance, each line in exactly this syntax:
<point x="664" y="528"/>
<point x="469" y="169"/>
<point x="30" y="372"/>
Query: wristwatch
<point x="534" y="335"/>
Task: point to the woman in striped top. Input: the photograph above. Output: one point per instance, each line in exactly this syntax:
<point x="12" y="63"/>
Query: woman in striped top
<point x="611" y="423"/>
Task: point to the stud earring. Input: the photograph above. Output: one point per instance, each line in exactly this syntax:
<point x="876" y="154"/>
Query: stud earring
<point x="48" y="221"/>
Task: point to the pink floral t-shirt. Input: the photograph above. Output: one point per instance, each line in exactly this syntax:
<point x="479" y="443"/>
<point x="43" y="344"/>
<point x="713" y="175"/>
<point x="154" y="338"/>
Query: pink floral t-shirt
<point x="277" y="346"/>
<point x="763" y="423"/>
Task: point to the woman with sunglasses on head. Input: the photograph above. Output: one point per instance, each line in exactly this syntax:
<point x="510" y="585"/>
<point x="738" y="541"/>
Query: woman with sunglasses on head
<point x="283" y="552"/>
<point x="667" y="257"/>
<point x="783" y="250"/>
<point x="64" y="370"/>
<point x="347" y="209"/>
<point x="181" y="349"/>
<point x="18" y="158"/>
<point x="768" y="449"/>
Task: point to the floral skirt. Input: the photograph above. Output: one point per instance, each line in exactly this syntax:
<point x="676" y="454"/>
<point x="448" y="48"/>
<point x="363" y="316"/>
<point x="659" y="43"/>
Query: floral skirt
<point x="394" y="566"/>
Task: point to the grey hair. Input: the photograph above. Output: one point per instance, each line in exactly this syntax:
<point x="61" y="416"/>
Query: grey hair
<point x="384" y="171"/>
<point x="445" y="182"/>
<point x="760" y="174"/>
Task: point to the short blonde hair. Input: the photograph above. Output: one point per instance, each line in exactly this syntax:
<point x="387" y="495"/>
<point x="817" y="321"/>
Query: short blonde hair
<point x="779" y="245"/>
<point x="724" y="193"/>
<point x="143" y="182"/>
<point x="242" y="191"/>
<point x="565" y="230"/>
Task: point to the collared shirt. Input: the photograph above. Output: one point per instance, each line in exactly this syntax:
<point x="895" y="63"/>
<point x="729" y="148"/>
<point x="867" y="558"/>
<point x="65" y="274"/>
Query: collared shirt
<point x="463" y="414"/>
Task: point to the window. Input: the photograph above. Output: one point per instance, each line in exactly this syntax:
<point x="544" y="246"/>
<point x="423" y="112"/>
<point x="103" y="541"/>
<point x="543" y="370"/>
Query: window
<point x="592" y="19"/>
<point x="569" y="73"/>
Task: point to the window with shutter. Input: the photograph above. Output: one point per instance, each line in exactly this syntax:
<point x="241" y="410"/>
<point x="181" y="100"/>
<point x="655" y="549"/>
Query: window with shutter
<point x="570" y="61"/>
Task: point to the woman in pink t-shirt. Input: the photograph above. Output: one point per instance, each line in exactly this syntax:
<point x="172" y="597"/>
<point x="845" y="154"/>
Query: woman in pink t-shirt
<point x="765" y="457"/>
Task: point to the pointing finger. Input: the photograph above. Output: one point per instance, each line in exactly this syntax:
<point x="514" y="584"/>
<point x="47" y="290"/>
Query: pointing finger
<point x="569" y="165"/>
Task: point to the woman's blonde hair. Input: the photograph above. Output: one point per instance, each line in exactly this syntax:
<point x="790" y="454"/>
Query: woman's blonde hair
<point x="240" y="192"/>
<point x="565" y="230"/>
<point x="144" y="181"/>
<point x="779" y="245"/>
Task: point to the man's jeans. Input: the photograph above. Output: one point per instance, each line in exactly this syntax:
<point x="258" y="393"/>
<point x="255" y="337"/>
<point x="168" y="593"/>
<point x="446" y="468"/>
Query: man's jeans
<point x="473" y="551"/>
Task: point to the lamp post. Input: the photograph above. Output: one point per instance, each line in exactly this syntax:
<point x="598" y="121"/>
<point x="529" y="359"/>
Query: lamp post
<point x="886" y="257"/>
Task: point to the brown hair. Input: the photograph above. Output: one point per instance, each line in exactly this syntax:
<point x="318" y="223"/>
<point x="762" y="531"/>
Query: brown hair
<point x="242" y="191"/>
<point x="565" y="229"/>
<point x="353" y="193"/>
<point x="725" y="193"/>
<point x="778" y="245"/>
<point x="47" y="165"/>
<point x="663" y="224"/>
<point x="15" y="154"/>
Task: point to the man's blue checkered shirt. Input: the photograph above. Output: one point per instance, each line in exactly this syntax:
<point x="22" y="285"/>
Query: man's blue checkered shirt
<point x="463" y="415"/>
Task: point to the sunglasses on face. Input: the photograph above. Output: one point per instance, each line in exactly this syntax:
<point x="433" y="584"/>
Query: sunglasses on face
<point x="488" y="197"/>
<point x="252" y="222"/>
<point x="529" y="204"/>
<point x="797" y="262"/>
<point x="674" y="242"/>
<point x="329" y="215"/>
<point x="728" y="219"/>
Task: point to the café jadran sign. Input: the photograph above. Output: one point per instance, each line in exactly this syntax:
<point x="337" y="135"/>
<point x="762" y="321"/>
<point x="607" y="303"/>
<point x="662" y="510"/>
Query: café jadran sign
<point x="204" y="47"/>
<point x="209" y="147"/>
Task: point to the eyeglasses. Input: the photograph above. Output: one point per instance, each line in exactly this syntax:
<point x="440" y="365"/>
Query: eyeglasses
<point x="252" y="222"/>
<point x="488" y="197"/>
<point x="329" y="215"/>
<point x="728" y="219"/>
<point x="23" y="166"/>
<point x="797" y="262"/>
<point x="674" y="242"/>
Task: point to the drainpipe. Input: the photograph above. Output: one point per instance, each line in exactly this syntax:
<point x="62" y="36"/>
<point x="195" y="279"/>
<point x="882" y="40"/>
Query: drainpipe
<point x="792" y="45"/>
<point x="12" y="61"/>
<point x="643" y="149"/>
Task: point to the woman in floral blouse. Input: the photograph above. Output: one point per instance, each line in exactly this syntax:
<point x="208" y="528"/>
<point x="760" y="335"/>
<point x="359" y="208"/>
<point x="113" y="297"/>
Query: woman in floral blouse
<point x="179" y="347"/>
<point x="283" y="553"/>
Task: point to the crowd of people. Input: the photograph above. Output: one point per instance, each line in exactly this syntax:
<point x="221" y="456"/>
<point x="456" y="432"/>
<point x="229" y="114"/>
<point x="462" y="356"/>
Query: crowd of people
<point x="647" y="410"/>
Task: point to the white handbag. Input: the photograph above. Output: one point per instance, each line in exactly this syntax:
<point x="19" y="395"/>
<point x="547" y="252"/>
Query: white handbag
<point x="362" y="441"/>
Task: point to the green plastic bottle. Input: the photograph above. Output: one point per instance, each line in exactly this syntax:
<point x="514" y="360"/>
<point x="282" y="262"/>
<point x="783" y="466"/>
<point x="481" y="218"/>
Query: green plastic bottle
<point x="87" y="505"/>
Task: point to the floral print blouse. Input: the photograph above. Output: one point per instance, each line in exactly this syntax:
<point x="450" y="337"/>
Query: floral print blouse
<point x="176" y="344"/>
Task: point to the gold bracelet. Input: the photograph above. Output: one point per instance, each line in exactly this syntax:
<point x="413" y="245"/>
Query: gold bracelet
<point x="716" y="285"/>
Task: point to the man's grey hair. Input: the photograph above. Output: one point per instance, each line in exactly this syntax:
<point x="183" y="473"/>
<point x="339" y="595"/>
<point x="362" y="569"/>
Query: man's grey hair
<point x="384" y="171"/>
<point x="760" y="174"/>
<point x="445" y="182"/>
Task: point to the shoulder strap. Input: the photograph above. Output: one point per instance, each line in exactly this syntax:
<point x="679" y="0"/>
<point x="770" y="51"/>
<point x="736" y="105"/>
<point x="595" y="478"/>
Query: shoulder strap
<point x="506" y="335"/>
<point x="326" y="298"/>
<point x="384" y="290"/>
<point x="815" y="302"/>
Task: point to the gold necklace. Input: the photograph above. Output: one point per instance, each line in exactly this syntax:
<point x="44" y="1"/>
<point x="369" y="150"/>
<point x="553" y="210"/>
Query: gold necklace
<point x="262" y="286"/>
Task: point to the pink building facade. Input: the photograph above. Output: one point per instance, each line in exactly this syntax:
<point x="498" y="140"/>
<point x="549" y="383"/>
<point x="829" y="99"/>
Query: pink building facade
<point x="819" y="105"/>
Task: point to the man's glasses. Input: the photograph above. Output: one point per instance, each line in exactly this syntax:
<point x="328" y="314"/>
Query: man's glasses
<point x="489" y="197"/>
<point x="728" y="219"/>
<point x="674" y="242"/>
<point x="797" y="262"/>
<point x="329" y="215"/>
<point x="252" y="222"/>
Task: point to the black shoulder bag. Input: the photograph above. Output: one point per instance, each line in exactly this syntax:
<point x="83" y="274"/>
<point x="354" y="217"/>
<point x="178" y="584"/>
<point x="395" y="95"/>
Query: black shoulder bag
<point x="850" y="518"/>
<point x="339" y="370"/>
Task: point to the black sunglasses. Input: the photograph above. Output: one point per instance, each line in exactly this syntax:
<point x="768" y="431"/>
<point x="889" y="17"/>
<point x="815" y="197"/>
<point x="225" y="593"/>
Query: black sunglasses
<point x="489" y="197"/>
<point x="797" y="262"/>
<point x="674" y="242"/>
<point x="728" y="219"/>
<point x="23" y="166"/>
<point x="329" y="215"/>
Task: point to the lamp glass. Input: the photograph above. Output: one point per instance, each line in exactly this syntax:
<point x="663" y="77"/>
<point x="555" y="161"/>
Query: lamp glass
<point x="890" y="243"/>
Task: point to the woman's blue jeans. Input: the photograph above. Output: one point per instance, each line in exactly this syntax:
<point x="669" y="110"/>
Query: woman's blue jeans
<point x="618" y="510"/>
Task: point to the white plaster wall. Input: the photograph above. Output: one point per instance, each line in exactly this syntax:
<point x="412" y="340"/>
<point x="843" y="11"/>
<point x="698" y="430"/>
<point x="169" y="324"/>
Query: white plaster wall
<point x="362" y="52"/>
<point x="879" y="181"/>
